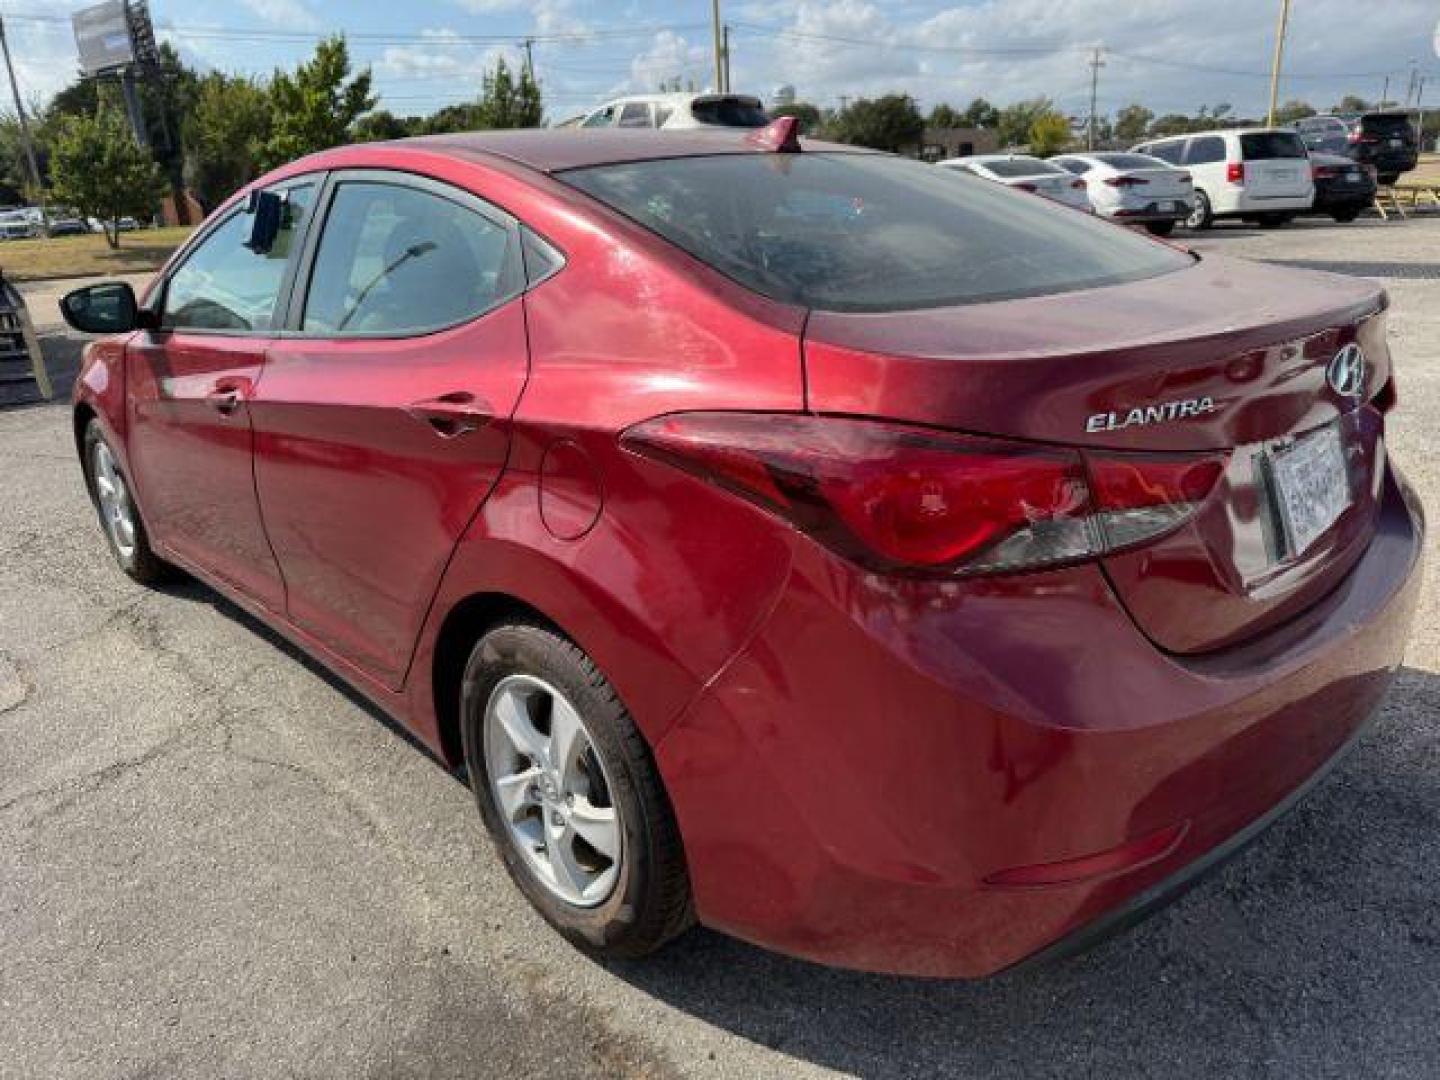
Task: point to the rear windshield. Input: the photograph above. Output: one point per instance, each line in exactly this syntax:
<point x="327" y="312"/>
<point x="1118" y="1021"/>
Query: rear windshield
<point x="1131" y="161"/>
<point x="729" y="112"/>
<point x="1386" y="124"/>
<point x="1020" y="167"/>
<point x="1267" y="145"/>
<point x="861" y="232"/>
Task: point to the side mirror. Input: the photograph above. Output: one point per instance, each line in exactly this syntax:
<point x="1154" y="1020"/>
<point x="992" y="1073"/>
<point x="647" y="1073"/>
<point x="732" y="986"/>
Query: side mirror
<point x="109" y="308"/>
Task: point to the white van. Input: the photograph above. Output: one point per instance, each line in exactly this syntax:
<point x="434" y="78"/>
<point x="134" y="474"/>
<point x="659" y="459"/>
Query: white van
<point x="1259" y="174"/>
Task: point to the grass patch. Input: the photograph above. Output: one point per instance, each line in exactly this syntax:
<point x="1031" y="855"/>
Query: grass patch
<point x="76" y="256"/>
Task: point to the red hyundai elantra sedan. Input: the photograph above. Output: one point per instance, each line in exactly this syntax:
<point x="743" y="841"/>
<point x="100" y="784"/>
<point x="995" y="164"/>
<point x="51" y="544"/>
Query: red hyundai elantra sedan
<point x="873" y="563"/>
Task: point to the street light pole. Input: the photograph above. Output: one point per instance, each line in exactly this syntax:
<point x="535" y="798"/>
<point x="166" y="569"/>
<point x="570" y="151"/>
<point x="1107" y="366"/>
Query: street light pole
<point x="1095" y="65"/>
<point x="1279" y="59"/>
<point x="719" y="47"/>
<point x="20" y="112"/>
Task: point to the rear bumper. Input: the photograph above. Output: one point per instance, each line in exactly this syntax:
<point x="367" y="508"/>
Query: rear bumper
<point x="1231" y="203"/>
<point x="853" y="785"/>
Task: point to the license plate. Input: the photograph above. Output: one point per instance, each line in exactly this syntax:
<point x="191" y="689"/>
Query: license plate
<point x="1283" y="174"/>
<point x="1312" y="486"/>
<point x="1353" y="174"/>
<point x="1397" y="142"/>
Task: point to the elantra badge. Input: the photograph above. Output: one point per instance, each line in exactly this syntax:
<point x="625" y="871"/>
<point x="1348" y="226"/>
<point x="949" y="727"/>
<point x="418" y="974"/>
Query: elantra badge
<point x="1347" y="371"/>
<point x="1150" y="414"/>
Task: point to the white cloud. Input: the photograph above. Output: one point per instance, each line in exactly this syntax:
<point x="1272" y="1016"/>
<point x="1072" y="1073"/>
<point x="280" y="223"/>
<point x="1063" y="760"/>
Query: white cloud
<point x="668" y="57"/>
<point x="489" y="7"/>
<point x="290" y="14"/>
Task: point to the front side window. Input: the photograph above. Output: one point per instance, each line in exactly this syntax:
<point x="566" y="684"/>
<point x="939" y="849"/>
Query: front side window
<point x="600" y="118"/>
<point x="223" y="285"/>
<point x="863" y="232"/>
<point x="397" y="260"/>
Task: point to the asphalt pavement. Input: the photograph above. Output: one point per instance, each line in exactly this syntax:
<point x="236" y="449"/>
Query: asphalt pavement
<point x="215" y="861"/>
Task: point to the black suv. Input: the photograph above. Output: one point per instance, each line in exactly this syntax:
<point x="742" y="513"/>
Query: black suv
<point x="1384" y="140"/>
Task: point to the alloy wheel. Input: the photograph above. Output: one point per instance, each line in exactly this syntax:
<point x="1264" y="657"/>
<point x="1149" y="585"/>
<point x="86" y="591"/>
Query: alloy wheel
<point x="551" y="790"/>
<point x="117" y="510"/>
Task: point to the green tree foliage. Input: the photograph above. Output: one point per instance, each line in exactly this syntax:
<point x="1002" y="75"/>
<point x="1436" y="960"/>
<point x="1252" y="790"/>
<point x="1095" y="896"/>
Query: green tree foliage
<point x="506" y="100"/>
<point x="945" y="116"/>
<point x="381" y="125"/>
<point x="889" y="123"/>
<point x="808" y="115"/>
<point x="1131" y="123"/>
<point x="1016" y="120"/>
<point x="1292" y="111"/>
<point x="315" y="105"/>
<point x="980" y="114"/>
<point x="1352" y="103"/>
<point x="1049" y="134"/>
<point x="226" y="136"/>
<point x="97" y="168"/>
<point x="1171" y="124"/>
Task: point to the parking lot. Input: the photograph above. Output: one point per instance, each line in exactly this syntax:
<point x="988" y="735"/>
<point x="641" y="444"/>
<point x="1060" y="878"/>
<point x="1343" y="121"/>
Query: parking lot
<point x="216" y="860"/>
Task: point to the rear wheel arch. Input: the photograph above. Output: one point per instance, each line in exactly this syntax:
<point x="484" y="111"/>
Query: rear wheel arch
<point x="465" y="624"/>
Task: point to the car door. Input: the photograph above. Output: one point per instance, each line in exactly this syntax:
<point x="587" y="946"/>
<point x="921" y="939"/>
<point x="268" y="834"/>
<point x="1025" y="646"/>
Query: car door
<point x="382" y="421"/>
<point x="189" y="385"/>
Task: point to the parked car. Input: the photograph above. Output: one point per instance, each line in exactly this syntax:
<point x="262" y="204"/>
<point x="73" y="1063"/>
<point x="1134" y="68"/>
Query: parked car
<point x="1385" y="140"/>
<point x="675" y="112"/>
<point x="1256" y="174"/>
<point x="878" y="566"/>
<point x="1133" y="189"/>
<point x="68" y="226"/>
<point x="16" y="226"/>
<point x="1027" y="174"/>
<point x="1343" y="188"/>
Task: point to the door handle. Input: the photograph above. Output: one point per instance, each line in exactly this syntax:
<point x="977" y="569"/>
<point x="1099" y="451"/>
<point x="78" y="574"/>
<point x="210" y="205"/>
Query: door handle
<point x="451" y="415"/>
<point x="226" y="397"/>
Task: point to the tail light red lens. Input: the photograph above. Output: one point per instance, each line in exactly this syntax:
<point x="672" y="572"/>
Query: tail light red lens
<point x="912" y="500"/>
<point x="1026" y="187"/>
<point x="1235" y="172"/>
<point x="1126" y="181"/>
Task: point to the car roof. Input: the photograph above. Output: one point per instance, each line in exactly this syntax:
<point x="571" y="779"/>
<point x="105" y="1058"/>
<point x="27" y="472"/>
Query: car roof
<point x="555" y="150"/>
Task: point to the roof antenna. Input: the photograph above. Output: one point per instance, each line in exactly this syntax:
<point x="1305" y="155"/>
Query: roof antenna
<point x="780" y="136"/>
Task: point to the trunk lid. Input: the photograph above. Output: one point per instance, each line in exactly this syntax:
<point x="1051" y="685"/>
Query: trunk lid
<point x="1160" y="183"/>
<point x="1226" y="355"/>
<point x="1276" y="164"/>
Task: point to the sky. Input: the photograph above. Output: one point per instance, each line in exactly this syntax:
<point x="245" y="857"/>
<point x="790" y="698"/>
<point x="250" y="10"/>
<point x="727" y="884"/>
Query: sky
<point x="1169" y="55"/>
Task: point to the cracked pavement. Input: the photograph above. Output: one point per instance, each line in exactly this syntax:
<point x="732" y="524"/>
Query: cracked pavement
<point x="217" y="861"/>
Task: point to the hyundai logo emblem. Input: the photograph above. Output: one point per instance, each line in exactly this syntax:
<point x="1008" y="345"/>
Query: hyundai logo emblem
<point x="1347" y="371"/>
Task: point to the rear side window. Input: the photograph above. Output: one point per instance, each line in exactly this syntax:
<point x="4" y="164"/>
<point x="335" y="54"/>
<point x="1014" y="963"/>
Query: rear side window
<point x="860" y="232"/>
<point x="729" y="112"/>
<point x="1131" y="161"/>
<point x="635" y="115"/>
<point x="1387" y="124"/>
<point x="397" y="260"/>
<point x="223" y="285"/>
<point x="1079" y="168"/>
<point x="1168" y="152"/>
<point x="1269" y="145"/>
<point x="1205" y="151"/>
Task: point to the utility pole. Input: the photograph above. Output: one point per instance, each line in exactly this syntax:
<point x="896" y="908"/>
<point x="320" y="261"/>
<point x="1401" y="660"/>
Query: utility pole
<point x="1420" y="115"/>
<point x="844" y="102"/>
<point x="719" y="46"/>
<point x="725" y="36"/>
<point x="1279" y="60"/>
<point x="1385" y="93"/>
<point x="1096" y="63"/>
<point x="20" y="112"/>
<point x="530" y="57"/>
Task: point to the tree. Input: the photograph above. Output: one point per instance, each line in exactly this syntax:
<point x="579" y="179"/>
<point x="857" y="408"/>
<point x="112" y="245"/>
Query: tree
<point x="507" y="101"/>
<point x="1131" y="123"/>
<point x="1049" y="134"/>
<point x="808" y="115"/>
<point x="314" y="107"/>
<point x="1171" y="124"/>
<point x="380" y="126"/>
<point x="97" y="168"/>
<point x="226" y="136"/>
<point x="980" y="114"/>
<point x="944" y="116"/>
<point x="888" y="123"/>
<point x="1016" y="120"/>
<point x="1292" y="111"/>
<point x="1352" y="103"/>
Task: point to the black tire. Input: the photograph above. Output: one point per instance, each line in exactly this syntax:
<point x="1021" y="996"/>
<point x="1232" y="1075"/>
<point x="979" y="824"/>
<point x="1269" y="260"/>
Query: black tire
<point x="1202" y="216"/>
<point x="141" y="562"/>
<point x="1160" y="228"/>
<point x="1346" y="215"/>
<point x="650" y="903"/>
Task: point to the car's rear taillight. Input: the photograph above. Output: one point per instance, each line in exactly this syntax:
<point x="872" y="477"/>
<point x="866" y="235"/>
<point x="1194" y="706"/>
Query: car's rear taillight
<point x="913" y="500"/>
<point x="1126" y="181"/>
<point x="1077" y="184"/>
<point x="1235" y="172"/>
<point x="1023" y="186"/>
